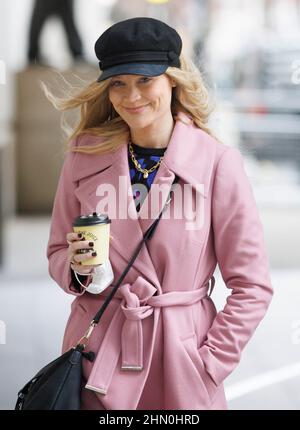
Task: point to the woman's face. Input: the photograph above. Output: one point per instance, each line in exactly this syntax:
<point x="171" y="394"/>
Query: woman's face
<point x="140" y="100"/>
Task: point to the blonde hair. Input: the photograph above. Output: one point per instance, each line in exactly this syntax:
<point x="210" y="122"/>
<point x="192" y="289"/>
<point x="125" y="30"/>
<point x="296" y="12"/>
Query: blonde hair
<point x="98" y="117"/>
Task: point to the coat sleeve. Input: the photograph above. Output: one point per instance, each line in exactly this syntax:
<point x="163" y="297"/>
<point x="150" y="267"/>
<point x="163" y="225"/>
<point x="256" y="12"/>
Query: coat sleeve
<point x="243" y="262"/>
<point x="66" y="207"/>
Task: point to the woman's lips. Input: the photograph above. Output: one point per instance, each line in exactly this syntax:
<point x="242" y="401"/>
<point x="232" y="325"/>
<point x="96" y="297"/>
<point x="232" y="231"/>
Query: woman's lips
<point x="136" y="110"/>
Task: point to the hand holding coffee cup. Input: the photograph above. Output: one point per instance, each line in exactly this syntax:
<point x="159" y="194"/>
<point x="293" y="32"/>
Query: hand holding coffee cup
<point x="80" y="250"/>
<point x="95" y="228"/>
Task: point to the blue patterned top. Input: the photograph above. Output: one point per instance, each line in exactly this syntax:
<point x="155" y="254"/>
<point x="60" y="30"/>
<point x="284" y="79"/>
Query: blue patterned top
<point x="147" y="157"/>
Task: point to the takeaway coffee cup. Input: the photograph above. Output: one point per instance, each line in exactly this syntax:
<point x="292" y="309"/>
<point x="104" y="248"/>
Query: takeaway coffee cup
<point x="96" y="228"/>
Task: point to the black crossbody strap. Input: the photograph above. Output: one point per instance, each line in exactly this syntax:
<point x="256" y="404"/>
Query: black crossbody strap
<point x="147" y="236"/>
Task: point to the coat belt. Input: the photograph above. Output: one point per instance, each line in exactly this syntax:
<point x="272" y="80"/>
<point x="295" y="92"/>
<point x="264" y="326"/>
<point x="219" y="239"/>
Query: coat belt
<point x="125" y="334"/>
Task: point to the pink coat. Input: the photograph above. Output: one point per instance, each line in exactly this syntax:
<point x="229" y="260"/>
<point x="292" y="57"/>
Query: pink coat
<point x="161" y="343"/>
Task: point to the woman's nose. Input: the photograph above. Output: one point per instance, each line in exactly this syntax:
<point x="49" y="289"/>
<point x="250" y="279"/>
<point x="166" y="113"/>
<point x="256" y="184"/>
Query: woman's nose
<point x="133" y="94"/>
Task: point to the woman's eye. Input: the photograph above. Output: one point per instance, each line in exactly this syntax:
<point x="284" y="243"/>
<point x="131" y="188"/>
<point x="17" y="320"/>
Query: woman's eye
<point x="115" y="83"/>
<point x="145" y="79"/>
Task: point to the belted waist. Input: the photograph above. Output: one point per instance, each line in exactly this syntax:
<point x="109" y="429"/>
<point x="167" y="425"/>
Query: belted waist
<point x="126" y="335"/>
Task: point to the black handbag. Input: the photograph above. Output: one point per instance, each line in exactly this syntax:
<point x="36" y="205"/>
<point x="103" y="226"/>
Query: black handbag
<point x="58" y="385"/>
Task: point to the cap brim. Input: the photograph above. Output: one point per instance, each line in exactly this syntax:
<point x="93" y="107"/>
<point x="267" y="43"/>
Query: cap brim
<point x="144" y="69"/>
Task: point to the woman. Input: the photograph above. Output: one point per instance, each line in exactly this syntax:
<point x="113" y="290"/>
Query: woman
<point x="161" y="343"/>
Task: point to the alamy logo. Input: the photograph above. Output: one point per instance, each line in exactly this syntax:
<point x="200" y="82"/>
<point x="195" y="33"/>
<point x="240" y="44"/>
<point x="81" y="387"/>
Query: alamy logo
<point x="2" y="333"/>
<point x="296" y="72"/>
<point x="2" y="73"/>
<point x="296" y="332"/>
<point x="188" y="202"/>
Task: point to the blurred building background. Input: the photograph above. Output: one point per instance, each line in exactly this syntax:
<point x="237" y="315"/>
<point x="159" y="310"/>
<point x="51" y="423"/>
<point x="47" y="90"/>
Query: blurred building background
<point x="249" y="53"/>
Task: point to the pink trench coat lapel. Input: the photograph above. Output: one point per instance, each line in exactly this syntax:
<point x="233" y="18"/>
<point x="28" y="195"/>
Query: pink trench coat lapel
<point x="164" y="295"/>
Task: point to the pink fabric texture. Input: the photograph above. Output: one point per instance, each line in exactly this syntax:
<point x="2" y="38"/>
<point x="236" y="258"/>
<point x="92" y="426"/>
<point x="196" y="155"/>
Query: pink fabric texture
<point x="161" y="343"/>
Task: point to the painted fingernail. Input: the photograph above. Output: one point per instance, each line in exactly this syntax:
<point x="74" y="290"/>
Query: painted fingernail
<point x="91" y="243"/>
<point x="79" y="235"/>
<point x="94" y="254"/>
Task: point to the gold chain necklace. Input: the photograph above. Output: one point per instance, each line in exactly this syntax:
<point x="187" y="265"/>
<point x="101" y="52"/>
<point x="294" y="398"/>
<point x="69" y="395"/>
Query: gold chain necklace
<point x="139" y="167"/>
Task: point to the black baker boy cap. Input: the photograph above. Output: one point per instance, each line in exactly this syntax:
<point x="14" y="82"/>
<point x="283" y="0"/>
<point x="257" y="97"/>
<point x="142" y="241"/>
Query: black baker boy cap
<point x="138" y="46"/>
